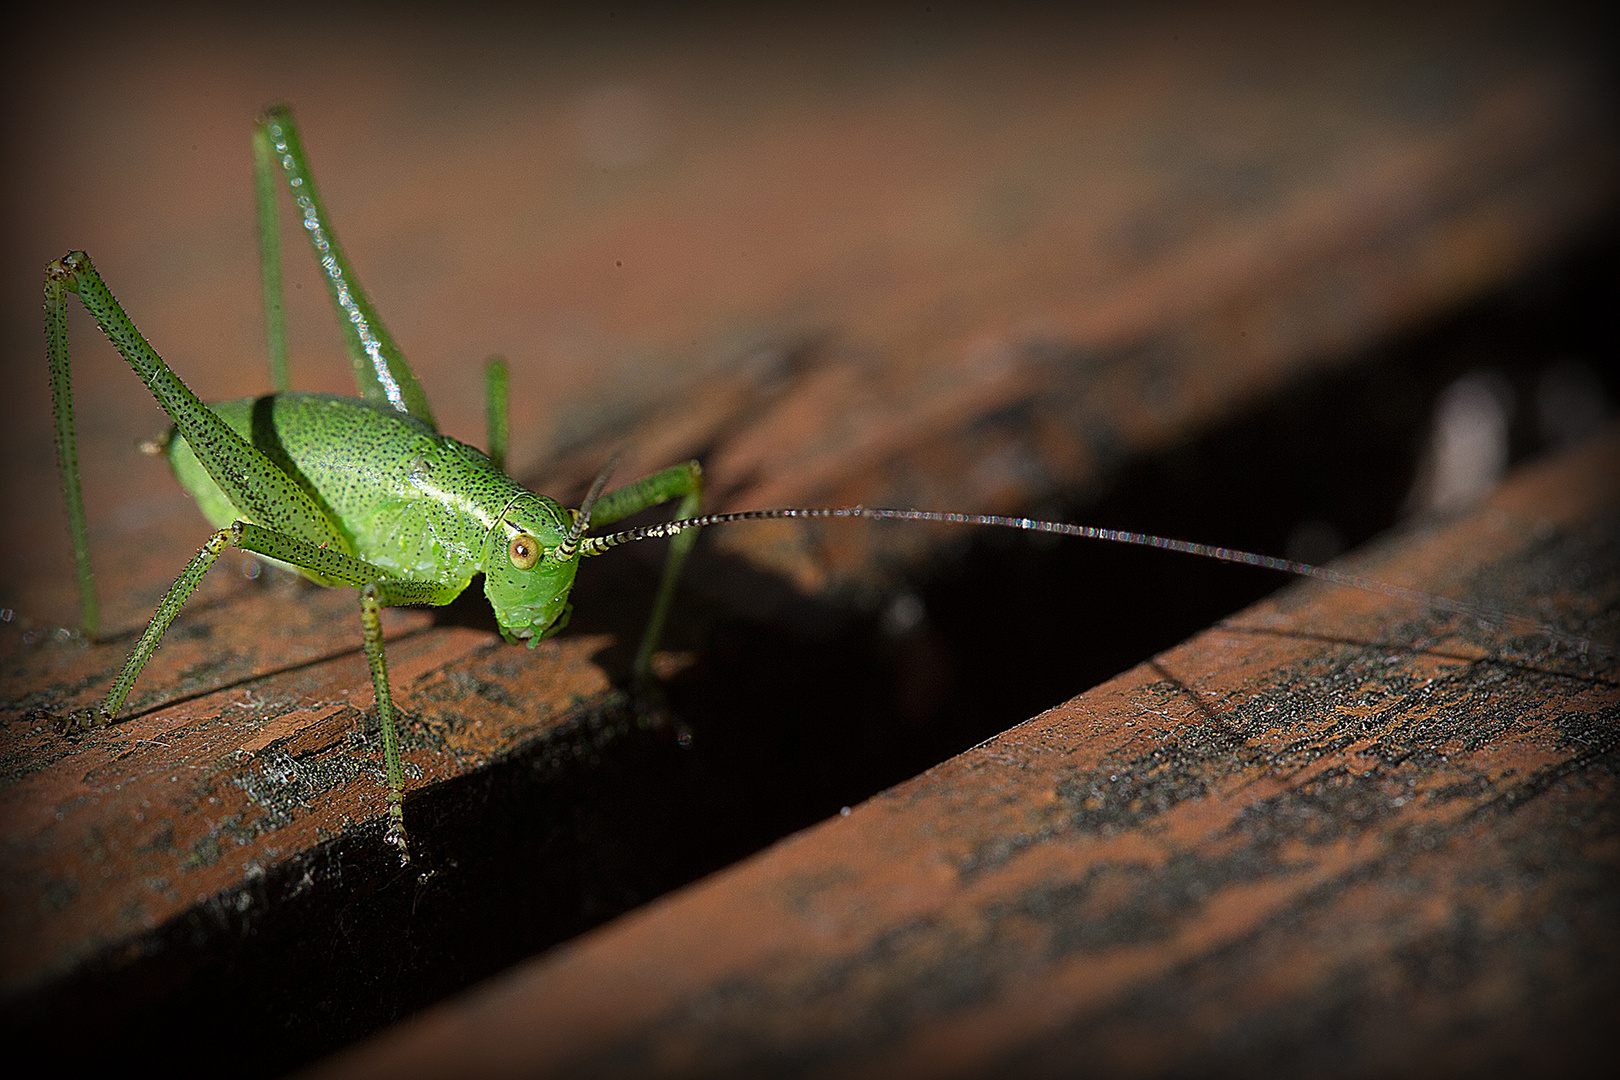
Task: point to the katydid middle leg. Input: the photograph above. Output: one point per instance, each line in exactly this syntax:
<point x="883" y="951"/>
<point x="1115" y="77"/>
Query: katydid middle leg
<point x="377" y="590"/>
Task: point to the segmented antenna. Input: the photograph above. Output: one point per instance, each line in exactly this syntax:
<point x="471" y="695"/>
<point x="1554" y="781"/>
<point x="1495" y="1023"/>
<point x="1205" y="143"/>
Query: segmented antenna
<point x="596" y="545"/>
<point x="582" y="516"/>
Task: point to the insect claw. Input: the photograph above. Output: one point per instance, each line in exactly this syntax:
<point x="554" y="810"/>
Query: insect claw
<point x="80" y="720"/>
<point x="396" y="837"/>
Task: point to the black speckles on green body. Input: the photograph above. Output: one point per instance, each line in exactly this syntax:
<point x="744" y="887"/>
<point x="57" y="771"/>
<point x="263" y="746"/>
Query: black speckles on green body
<point x="407" y="499"/>
<point x="263" y="493"/>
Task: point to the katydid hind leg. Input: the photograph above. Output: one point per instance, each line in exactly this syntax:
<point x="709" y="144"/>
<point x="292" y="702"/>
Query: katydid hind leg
<point x="497" y="420"/>
<point x="275" y="315"/>
<point x="67" y="447"/>
<point x="381" y="372"/>
<point x="252" y="482"/>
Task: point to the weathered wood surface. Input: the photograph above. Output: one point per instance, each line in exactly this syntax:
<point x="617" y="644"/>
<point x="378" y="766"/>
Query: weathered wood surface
<point x="958" y="265"/>
<point x="1329" y="835"/>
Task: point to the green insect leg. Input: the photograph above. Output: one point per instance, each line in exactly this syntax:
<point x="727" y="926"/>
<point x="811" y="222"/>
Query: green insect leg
<point x="495" y="409"/>
<point x="249" y="479"/>
<point x="371" y="626"/>
<point x="275" y="319"/>
<point x="683" y="482"/>
<point x="67" y="447"/>
<point x="380" y="370"/>
<point x="376" y="591"/>
<point x="167" y="609"/>
<point x="249" y="537"/>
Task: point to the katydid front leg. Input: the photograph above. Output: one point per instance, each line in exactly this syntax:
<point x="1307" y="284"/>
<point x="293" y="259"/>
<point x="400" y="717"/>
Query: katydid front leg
<point x="683" y="482"/>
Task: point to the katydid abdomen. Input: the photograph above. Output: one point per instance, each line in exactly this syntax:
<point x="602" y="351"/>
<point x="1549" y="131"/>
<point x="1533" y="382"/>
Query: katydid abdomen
<point x="409" y="500"/>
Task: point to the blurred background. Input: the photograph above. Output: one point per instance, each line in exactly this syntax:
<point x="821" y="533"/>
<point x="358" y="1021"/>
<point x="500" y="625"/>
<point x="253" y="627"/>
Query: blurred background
<point x="1243" y="274"/>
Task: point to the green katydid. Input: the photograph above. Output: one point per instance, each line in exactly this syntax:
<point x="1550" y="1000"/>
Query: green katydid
<point x="360" y="492"/>
<point x="365" y="493"/>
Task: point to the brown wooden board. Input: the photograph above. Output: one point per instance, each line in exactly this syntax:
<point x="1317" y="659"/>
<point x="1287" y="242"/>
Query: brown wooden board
<point x="1331" y="834"/>
<point x="960" y="262"/>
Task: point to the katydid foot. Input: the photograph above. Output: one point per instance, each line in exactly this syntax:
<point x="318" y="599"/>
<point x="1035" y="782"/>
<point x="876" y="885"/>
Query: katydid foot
<point x="79" y="720"/>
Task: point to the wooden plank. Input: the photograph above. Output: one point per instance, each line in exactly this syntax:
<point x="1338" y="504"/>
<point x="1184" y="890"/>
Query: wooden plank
<point x="1331" y="832"/>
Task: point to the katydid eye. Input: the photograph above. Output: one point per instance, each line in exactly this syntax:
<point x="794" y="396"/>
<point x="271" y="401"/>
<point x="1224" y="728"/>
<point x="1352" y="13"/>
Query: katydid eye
<point x="524" y="551"/>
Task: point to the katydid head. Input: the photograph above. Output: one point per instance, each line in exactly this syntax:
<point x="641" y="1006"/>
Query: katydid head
<point x="530" y="555"/>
